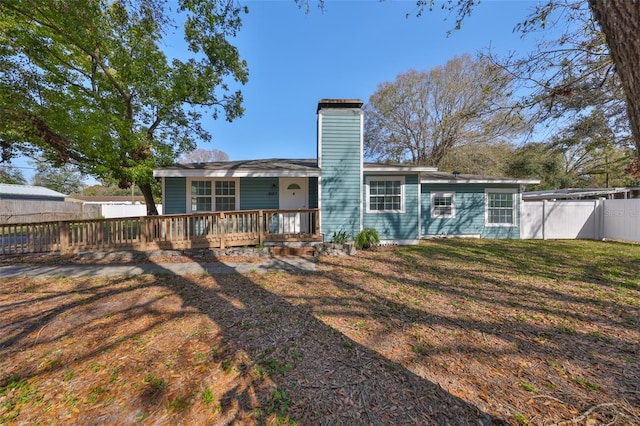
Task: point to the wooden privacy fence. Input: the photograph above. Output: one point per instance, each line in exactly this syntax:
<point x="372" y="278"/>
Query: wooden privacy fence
<point x="187" y="231"/>
<point x="31" y="211"/>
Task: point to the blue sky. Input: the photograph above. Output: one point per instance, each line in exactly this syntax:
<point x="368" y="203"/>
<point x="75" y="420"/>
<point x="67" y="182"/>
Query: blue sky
<point x="296" y="59"/>
<point x="345" y="51"/>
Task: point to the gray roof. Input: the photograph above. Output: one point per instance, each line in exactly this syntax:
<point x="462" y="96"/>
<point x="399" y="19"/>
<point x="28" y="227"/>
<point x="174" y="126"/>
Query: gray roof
<point x="268" y="167"/>
<point x="443" y="177"/>
<point x="281" y="167"/>
<point x="29" y="190"/>
<point x="572" y="193"/>
<point x="398" y="168"/>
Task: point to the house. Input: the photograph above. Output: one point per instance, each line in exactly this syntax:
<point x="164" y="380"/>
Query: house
<point x="403" y="203"/>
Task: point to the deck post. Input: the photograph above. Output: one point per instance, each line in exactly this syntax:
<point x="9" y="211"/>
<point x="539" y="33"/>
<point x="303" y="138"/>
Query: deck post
<point x="223" y="225"/>
<point x="100" y="235"/>
<point x="63" y="237"/>
<point x="31" y="238"/>
<point x="144" y="236"/>
<point x="317" y="215"/>
<point x="261" y="227"/>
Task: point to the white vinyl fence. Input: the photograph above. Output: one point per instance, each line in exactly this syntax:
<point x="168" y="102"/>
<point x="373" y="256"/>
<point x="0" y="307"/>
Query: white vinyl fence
<point x="622" y="219"/>
<point x="581" y="219"/>
<point x="125" y="210"/>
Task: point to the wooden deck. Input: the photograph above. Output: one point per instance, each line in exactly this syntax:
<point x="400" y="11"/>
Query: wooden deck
<point x="148" y="233"/>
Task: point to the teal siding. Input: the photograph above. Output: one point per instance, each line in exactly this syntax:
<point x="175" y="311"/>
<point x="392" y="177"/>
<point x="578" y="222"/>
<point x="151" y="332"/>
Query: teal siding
<point x="341" y="162"/>
<point x="255" y="194"/>
<point x="397" y="226"/>
<point x="175" y="195"/>
<point x="470" y="213"/>
<point x="258" y="193"/>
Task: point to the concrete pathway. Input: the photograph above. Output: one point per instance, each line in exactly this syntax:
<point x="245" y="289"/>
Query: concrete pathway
<point x="278" y="264"/>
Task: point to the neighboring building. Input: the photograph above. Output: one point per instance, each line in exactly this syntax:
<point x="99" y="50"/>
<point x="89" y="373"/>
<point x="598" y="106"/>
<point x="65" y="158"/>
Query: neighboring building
<point x="404" y="203"/>
<point x="28" y="192"/>
<point x="28" y="204"/>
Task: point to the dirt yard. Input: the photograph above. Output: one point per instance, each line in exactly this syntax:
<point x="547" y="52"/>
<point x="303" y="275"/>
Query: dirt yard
<point x="451" y="332"/>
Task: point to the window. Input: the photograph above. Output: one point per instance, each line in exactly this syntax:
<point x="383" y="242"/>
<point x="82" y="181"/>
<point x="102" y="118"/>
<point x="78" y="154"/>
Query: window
<point x="201" y="196"/>
<point x="500" y="204"/>
<point x="225" y="195"/>
<point x="443" y="205"/>
<point x="210" y="195"/>
<point x="385" y="194"/>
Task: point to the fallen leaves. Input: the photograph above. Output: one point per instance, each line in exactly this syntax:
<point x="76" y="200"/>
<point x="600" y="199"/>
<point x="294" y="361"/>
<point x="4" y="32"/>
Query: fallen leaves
<point x="445" y="333"/>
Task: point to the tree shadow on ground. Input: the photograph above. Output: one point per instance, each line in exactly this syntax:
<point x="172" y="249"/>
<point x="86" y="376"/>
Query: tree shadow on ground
<point x="479" y="311"/>
<point x="277" y="360"/>
<point x="333" y="379"/>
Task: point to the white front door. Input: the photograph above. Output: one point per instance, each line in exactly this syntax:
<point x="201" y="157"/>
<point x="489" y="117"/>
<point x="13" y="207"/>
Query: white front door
<point x="294" y="195"/>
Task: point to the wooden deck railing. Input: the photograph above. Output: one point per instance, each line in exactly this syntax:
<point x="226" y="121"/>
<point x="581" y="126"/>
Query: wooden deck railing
<point x="185" y="231"/>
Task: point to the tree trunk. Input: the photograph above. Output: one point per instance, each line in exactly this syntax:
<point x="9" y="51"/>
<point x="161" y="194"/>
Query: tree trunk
<point x="620" y="22"/>
<point x="152" y="210"/>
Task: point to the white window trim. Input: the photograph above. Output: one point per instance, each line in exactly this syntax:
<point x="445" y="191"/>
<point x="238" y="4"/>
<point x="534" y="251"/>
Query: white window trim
<point x="514" y="210"/>
<point x="385" y="178"/>
<point x="434" y="215"/>
<point x="213" y="194"/>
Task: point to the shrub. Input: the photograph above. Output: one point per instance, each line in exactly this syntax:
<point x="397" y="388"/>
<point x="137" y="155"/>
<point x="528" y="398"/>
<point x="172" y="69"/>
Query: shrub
<point x="340" y="237"/>
<point x="367" y="238"/>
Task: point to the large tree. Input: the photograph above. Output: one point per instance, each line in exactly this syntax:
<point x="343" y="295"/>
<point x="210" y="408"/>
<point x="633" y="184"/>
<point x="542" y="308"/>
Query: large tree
<point x="488" y="159"/>
<point x="422" y="116"/>
<point x="591" y="153"/>
<point x="582" y="154"/>
<point x="87" y="82"/>
<point x="66" y="179"/>
<point x="541" y="161"/>
<point x="574" y="89"/>
<point x="108" y="190"/>
<point x="12" y="175"/>
<point x="619" y="21"/>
